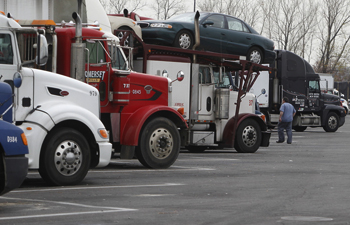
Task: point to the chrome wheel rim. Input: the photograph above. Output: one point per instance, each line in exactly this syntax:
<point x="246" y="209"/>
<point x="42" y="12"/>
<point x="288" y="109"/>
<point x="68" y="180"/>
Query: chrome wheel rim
<point x="161" y="143"/>
<point x="332" y="122"/>
<point x="68" y="158"/>
<point x="249" y="136"/>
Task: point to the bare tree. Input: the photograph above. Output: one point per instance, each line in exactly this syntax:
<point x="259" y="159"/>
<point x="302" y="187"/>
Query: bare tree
<point x="167" y="8"/>
<point x="117" y="6"/>
<point x="333" y="34"/>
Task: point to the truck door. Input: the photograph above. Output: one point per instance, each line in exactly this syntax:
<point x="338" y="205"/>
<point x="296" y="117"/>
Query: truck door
<point x="97" y="69"/>
<point x="203" y="95"/>
<point x="313" y="95"/>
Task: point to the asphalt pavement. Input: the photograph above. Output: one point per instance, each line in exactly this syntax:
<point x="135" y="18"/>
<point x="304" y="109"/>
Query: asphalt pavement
<point x="307" y="182"/>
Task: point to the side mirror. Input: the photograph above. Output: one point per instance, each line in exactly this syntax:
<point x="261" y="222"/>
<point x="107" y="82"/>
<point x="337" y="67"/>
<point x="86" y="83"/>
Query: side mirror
<point x="43" y="52"/>
<point x="17" y="80"/>
<point x="165" y="73"/>
<point x="208" y="23"/>
<point x="180" y="75"/>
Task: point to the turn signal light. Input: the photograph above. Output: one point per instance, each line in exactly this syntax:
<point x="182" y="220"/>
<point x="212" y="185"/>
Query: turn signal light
<point x="103" y="133"/>
<point x="24" y="139"/>
<point x="181" y="111"/>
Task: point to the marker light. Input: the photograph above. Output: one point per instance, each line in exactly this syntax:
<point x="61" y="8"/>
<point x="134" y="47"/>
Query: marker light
<point x="103" y="133"/>
<point x="24" y="139"/>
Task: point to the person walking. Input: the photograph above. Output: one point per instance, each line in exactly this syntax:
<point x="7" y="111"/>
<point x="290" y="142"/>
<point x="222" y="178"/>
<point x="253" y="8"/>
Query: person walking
<point x="287" y="113"/>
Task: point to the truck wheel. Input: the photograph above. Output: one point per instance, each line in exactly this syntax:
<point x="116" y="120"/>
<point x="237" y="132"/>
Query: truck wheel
<point x="332" y="122"/>
<point x="65" y="157"/>
<point x="248" y="137"/>
<point x="196" y="149"/>
<point x="3" y="180"/>
<point x="299" y="128"/>
<point x="159" y="144"/>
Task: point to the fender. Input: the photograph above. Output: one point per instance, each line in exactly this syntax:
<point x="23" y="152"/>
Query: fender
<point x="229" y="138"/>
<point x="130" y="130"/>
<point x="339" y="110"/>
<point x="52" y="113"/>
<point x="11" y="140"/>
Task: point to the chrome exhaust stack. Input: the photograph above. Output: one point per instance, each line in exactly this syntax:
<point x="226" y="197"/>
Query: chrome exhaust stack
<point x="196" y="34"/>
<point x="77" y="69"/>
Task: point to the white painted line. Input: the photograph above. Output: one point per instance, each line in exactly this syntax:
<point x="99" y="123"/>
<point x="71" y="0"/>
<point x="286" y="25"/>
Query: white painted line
<point x="96" y="187"/>
<point x="211" y="159"/>
<point x="152" y="195"/>
<point x="103" y="209"/>
<point x="150" y="170"/>
<point x="60" y="214"/>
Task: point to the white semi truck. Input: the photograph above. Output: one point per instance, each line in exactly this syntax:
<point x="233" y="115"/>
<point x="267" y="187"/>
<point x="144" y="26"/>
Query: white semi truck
<point x="218" y="114"/>
<point x="59" y="115"/>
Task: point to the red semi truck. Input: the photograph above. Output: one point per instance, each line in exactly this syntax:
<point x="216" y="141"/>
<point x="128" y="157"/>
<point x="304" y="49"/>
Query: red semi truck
<point x="134" y="106"/>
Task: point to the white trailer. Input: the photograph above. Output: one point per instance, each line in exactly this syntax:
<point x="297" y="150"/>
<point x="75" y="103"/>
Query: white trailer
<point x="326" y="82"/>
<point x="59" y="115"/>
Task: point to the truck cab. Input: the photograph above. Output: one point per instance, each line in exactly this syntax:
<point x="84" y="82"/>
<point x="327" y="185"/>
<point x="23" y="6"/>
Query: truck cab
<point x="294" y="78"/>
<point x="13" y="145"/>
<point x="55" y="112"/>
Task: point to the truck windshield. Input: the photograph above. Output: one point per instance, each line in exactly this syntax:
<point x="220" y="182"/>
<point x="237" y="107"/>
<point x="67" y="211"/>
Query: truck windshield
<point x="118" y="59"/>
<point x="314" y="86"/>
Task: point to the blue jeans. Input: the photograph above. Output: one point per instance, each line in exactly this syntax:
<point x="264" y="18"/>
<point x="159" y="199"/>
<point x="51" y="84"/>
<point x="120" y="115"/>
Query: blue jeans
<point x="285" y="126"/>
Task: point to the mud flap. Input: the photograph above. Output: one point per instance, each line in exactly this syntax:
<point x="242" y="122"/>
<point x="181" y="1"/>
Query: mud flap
<point x="265" y="139"/>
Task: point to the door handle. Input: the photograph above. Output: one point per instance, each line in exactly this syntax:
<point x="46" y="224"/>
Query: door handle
<point x="249" y="38"/>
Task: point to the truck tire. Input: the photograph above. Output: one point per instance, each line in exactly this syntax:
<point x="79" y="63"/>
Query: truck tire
<point x="299" y="128"/>
<point x="248" y="137"/>
<point x="65" y="157"/>
<point x="196" y="149"/>
<point x="159" y="144"/>
<point x="2" y="174"/>
<point x="332" y="122"/>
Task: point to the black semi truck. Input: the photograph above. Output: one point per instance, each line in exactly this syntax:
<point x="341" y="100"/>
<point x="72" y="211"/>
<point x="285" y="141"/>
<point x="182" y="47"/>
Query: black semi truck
<point x="294" y="78"/>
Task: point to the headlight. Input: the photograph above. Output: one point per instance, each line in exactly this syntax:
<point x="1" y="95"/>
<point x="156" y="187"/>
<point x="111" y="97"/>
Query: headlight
<point x="161" y="25"/>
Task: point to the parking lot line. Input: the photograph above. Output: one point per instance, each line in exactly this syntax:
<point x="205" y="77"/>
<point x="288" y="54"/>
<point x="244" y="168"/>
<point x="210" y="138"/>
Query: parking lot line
<point x="183" y="168"/>
<point x="97" y="187"/>
<point x="102" y="209"/>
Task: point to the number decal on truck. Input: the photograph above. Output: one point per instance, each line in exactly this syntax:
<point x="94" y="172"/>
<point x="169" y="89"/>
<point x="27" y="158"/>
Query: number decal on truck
<point x="93" y="93"/>
<point x="136" y="92"/>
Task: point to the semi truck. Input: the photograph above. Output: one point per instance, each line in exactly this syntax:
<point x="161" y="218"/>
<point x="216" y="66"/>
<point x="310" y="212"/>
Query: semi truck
<point x="59" y="115"/>
<point x="218" y="113"/>
<point x="13" y="145"/>
<point x="293" y="77"/>
<point x="134" y="106"/>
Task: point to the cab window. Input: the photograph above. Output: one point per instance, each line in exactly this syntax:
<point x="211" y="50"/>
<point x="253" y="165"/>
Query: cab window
<point x="204" y="75"/>
<point x="96" y="53"/>
<point x="6" y="53"/>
